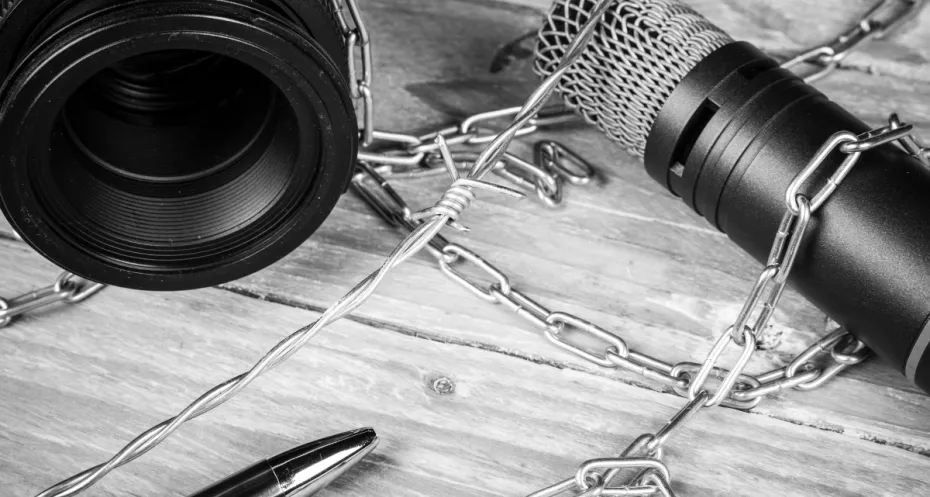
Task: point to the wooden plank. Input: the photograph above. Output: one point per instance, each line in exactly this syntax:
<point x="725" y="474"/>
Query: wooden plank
<point x="672" y="283"/>
<point x="441" y="67"/>
<point x="625" y="254"/>
<point x="77" y="385"/>
<point x="439" y="72"/>
<point x="787" y="27"/>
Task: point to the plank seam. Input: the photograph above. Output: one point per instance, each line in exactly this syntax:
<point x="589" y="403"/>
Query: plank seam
<point x="778" y="53"/>
<point x="862" y="67"/>
<point x="381" y="325"/>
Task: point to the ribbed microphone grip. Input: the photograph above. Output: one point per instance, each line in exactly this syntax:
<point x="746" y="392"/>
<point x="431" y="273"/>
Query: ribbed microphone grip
<point x="724" y="127"/>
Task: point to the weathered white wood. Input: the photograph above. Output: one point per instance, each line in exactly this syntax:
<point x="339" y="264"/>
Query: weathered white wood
<point x="787" y="27"/>
<point x="75" y="384"/>
<point x="623" y="254"/>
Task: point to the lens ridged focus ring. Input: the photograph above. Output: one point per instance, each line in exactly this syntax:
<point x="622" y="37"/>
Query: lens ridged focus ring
<point x="178" y="144"/>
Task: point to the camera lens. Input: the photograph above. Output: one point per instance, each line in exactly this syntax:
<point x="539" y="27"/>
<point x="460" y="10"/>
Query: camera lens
<point x="169" y="145"/>
<point x="170" y="117"/>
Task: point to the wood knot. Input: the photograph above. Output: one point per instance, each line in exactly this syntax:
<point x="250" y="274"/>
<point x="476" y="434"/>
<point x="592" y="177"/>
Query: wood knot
<point x="441" y="385"/>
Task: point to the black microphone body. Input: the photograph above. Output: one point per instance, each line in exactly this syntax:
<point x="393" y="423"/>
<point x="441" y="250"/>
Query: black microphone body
<point x="733" y="135"/>
<point x="725" y="128"/>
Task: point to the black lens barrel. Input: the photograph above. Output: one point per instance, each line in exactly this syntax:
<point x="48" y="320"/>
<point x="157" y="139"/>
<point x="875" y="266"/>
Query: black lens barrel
<point x="171" y="145"/>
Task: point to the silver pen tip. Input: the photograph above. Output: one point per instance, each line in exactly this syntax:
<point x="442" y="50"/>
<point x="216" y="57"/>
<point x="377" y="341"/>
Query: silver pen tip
<point x="307" y="469"/>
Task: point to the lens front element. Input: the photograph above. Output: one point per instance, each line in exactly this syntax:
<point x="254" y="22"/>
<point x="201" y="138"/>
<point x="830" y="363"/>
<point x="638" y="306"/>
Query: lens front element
<point x="163" y="149"/>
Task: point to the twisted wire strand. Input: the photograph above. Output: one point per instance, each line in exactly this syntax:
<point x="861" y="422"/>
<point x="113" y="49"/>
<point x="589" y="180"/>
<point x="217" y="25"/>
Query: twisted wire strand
<point x="414" y="243"/>
<point x="5" y="7"/>
<point x="459" y="196"/>
<point x="540" y="96"/>
<point x="639" y="54"/>
<point x="452" y="204"/>
<point x="223" y="392"/>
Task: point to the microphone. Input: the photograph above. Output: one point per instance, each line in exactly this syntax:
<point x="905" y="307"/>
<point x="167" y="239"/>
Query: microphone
<point x="725" y="128"/>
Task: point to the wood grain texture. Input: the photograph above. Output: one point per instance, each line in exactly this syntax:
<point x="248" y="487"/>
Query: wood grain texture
<point x="787" y="27"/>
<point x="75" y="384"/>
<point x="76" y="389"/>
<point x="623" y="254"/>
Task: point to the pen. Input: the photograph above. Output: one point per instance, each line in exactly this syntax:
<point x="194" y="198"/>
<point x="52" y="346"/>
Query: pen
<point x="299" y="472"/>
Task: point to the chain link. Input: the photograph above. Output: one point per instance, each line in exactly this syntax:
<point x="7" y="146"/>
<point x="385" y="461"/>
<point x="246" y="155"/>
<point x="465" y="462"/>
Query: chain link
<point x="415" y="156"/>
<point x="70" y="289"/>
<point x="399" y="155"/>
<point x="410" y="156"/>
<point x="910" y="143"/>
<point x="648" y="447"/>
<point x="736" y="389"/>
<point x="429" y="223"/>
<point x="884" y="19"/>
<point x="564" y="162"/>
<point x="67" y="288"/>
<point x="844" y="350"/>
<point x="358" y="48"/>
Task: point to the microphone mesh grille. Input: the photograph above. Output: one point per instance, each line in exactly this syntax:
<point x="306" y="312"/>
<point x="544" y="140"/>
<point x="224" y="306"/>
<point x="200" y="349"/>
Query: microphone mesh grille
<point x="639" y="53"/>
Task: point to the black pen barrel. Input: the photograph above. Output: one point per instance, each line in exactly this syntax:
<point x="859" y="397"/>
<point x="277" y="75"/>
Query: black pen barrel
<point x="257" y="480"/>
<point x="298" y="472"/>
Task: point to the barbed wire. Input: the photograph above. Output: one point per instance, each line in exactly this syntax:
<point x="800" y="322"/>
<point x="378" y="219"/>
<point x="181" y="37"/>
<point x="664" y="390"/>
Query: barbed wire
<point x="451" y="206"/>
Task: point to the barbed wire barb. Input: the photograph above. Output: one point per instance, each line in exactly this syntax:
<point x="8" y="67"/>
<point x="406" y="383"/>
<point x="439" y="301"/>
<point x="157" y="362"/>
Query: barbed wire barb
<point x="413" y="244"/>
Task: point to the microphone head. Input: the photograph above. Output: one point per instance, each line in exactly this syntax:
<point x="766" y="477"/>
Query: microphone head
<point x="639" y="53"/>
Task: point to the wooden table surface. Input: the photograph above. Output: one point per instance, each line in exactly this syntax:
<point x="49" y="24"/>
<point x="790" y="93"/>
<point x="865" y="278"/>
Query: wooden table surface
<point x="77" y="383"/>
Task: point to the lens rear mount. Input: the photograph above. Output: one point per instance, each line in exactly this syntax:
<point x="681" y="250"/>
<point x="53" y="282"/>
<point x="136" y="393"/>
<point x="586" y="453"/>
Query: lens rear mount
<point x="171" y="145"/>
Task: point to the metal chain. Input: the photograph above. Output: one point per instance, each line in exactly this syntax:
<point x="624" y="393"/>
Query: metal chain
<point x="736" y="389"/>
<point x="412" y="156"/>
<point x="67" y="288"/>
<point x="844" y="349"/>
<point x="447" y="211"/>
<point x="911" y="143"/>
<point x="546" y="176"/>
<point x="399" y="155"/>
<point x="883" y="20"/>
<point x="358" y="48"/>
